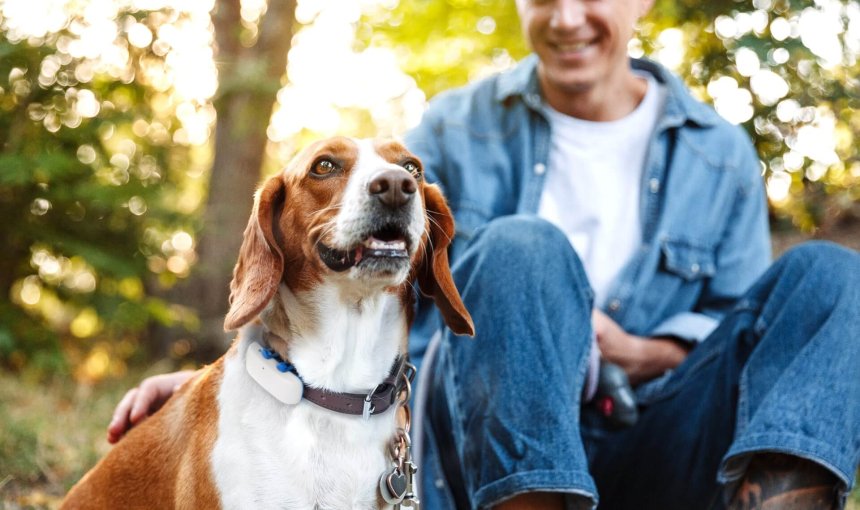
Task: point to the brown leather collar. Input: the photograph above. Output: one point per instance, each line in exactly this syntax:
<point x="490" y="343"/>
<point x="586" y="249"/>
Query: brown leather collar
<point x="374" y="401"/>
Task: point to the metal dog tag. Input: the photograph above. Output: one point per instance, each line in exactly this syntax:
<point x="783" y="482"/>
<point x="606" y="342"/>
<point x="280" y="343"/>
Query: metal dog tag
<point x="411" y="503"/>
<point x="410" y="499"/>
<point x="284" y="386"/>
<point x="393" y="485"/>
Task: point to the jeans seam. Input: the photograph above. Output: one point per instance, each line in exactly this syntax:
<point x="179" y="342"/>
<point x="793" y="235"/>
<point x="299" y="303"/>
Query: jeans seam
<point x="454" y="405"/>
<point x="743" y="410"/>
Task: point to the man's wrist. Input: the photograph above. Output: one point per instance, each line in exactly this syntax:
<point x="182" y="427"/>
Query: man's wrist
<point x="655" y="356"/>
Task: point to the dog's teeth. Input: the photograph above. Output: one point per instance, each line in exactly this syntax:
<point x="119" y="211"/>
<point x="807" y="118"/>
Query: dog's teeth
<point x="376" y="244"/>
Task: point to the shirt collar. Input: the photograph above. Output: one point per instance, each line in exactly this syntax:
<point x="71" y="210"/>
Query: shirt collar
<point x="681" y="107"/>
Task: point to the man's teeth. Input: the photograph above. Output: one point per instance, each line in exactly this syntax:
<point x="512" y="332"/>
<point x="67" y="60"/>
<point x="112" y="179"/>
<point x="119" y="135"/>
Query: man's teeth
<point x="574" y="47"/>
<point x="376" y="244"/>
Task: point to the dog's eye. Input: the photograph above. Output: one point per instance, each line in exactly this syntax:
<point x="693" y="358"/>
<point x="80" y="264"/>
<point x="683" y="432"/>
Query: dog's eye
<point x="323" y="168"/>
<point x="413" y="168"/>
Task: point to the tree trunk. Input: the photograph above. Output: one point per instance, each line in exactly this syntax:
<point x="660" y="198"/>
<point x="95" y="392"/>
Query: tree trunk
<point x="249" y="79"/>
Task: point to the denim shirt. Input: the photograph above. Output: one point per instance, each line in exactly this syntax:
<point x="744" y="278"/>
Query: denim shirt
<point x="703" y="212"/>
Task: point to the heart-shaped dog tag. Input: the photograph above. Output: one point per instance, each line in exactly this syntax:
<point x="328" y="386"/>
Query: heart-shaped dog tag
<point x="392" y="486"/>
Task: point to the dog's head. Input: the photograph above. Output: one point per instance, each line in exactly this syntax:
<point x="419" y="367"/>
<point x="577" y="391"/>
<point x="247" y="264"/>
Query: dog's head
<point x="354" y="212"/>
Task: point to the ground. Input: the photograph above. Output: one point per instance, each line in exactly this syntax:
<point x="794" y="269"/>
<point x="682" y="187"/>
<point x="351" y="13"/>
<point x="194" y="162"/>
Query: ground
<point x="53" y="432"/>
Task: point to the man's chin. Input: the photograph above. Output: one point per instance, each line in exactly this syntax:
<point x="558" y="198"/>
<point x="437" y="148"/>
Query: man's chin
<point x="569" y="82"/>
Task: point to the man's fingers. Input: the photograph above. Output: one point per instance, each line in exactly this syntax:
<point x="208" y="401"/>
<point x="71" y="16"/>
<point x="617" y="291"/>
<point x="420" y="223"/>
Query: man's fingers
<point x="119" y="422"/>
<point x="143" y="401"/>
<point x="120" y="414"/>
<point x="598" y="322"/>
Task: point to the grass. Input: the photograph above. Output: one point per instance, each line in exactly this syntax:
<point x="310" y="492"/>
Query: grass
<point x="52" y="433"/>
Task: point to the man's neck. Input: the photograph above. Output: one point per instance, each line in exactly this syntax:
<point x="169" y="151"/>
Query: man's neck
<point x="598" y="103"/>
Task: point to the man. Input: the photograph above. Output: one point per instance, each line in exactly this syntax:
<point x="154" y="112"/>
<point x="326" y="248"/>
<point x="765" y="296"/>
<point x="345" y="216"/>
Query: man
<point x="594" y="196"/>
<point x="663" y="203"/>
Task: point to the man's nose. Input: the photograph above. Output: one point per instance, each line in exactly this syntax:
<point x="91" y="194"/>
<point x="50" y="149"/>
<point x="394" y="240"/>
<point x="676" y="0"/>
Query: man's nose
<point x="567" y="14"/>
<point x="394" y="188"/>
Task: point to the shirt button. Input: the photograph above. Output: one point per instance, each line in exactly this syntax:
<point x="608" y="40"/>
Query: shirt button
<point x="540" y="168"/>
<point x="533" y="99"/>
<point x="654" y="185"/>
<point x="614" y="305"/>
<point x="439" y="483"/>
<point x="695" y="268"/>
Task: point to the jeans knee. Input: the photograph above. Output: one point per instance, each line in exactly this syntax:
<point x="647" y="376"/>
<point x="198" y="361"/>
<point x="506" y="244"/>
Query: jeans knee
<point x="529" y="249"/>
<point x="828" y="269"/>
<point x="525" y="239"/>
<point x="826" y="258"/>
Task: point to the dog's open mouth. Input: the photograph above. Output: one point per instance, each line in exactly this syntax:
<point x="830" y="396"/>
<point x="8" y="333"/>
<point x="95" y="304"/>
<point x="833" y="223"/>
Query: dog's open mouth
<point x="385" y="243"/>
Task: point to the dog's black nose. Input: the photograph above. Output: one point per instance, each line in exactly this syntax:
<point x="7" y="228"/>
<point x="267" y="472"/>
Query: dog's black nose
<point x="394" y="188"/>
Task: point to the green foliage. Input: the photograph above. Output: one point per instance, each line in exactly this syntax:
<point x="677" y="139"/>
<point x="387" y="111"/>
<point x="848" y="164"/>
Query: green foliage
<point x="441" y="44"/>
<point x="444" y="44"/>
<point x="824" y="188"/>
<point x="86" y="169"/>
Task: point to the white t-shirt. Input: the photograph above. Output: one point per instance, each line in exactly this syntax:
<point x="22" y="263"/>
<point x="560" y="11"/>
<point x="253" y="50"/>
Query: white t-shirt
<point x="593" y="185"/>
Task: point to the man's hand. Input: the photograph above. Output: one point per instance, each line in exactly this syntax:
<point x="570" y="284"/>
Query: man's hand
<point x="642" y="358"/>
<point x="143" y="401"/>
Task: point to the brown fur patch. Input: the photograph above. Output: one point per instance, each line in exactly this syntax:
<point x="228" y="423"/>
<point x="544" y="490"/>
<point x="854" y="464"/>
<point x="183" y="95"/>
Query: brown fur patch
<point x="394" y="152"/>
<point x="163" y="462"/>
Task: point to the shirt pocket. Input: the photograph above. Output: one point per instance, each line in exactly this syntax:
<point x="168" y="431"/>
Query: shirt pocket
<point x="690" y="260"/>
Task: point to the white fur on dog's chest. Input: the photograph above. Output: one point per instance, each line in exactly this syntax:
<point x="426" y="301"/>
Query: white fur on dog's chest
<point x="269" y="455"/>
<point x="272" y="455"/>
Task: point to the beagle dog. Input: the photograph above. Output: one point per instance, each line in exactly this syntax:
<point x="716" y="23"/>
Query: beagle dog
<point x="301" y="412"/>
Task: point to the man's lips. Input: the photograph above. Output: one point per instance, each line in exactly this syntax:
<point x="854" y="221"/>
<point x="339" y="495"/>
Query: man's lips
<point x="572" y="49"/>
<point x="573" y="46"/>
<point x="372" y="247"/>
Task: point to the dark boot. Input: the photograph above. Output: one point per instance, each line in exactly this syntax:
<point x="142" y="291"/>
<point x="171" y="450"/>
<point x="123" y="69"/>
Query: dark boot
<point x="784" y="482"/>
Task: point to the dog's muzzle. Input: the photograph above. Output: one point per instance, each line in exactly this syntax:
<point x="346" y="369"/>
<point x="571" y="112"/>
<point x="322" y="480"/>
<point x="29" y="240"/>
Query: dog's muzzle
<point x="386" y="243"/>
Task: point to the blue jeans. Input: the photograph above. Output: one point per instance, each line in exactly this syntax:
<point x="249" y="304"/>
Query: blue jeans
<point x="779" y="374"/>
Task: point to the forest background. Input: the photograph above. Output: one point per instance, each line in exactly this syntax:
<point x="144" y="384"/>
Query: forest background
<point x="133" y="133"/>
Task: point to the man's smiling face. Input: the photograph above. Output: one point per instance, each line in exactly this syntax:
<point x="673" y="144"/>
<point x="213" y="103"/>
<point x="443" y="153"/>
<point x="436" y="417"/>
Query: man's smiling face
<point x="580" y="43"/>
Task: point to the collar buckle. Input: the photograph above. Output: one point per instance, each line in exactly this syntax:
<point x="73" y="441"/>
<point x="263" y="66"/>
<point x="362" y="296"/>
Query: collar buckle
<point x="369" y="408"/>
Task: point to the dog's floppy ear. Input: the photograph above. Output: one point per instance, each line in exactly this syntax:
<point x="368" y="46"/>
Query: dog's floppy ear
<point x="434" y="274"/>
<point x="261" y="262"/>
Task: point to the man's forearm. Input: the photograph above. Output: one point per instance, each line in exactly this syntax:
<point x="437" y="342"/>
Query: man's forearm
<point x="653" y="357"/>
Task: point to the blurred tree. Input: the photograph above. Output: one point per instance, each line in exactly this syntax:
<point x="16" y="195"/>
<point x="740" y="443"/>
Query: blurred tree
<point x="252" y="56"/>
<point x="102" y="155"/>
<point x="786" y="69"/>
<point x="88" y="187"/>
